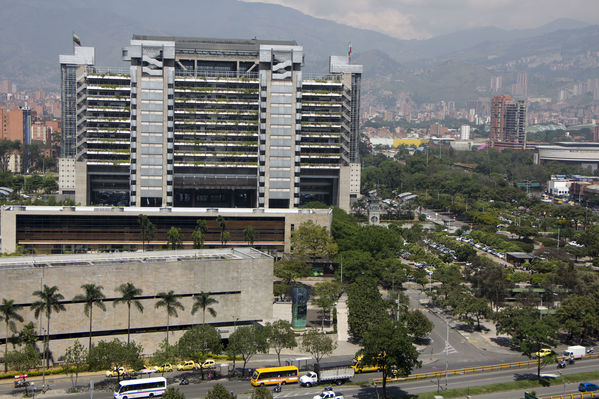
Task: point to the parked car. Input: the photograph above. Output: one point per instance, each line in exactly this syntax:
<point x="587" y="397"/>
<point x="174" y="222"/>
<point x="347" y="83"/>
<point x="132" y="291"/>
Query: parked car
<point x="543" y="352"/>
<point x="114" y="372"/>
<point x="164" y="368"/>
<point x="587" y="387"/>
<point x="209" y="364"/>
<point x="187" y="365"/>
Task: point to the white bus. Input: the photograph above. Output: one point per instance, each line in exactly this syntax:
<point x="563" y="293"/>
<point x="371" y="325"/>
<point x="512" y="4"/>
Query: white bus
<point x="142" y="388"/>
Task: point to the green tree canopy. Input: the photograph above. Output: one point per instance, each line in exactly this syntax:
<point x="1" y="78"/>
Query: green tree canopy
<point x="146" y="230"/>
<point x="365" y="305"/>
<point x="312" y="241"/>
<point x="388" y="345"/>
<point x="198" y="341"/>
<point x="75" y="358"/>
<point x="290" y="270"/>
<point x="280" y="336"/>
<point x="174" y="239"/>
<point x="219" y="392"/>
<point x="317" y="344"/>
<point x="419" y="326"/>
<point x="107" y="354"/>
<point x="172" y="393"/>
<point x="246" y="341"/>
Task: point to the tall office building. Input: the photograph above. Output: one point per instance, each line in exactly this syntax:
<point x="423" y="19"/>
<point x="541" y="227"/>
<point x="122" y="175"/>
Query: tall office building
<point x="196" y="122"/>
<point x="508" y="123"/>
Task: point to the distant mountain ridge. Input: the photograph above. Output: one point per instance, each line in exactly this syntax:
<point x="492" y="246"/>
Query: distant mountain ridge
<point x="29" y="51"/>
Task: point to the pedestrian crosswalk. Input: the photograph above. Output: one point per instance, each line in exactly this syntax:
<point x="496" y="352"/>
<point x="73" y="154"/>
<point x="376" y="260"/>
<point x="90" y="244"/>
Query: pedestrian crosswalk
<point x="449" y="348"/>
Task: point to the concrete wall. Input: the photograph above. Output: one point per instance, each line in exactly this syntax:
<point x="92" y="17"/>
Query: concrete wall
<point x="251" y="275"/>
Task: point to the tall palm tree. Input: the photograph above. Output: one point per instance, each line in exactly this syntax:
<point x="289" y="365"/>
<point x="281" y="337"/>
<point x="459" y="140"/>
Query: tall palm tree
<point x="203" y="301"/>
<point x="9" y="313"/>
<point x="128" y="293"/>
<point x="249" y="233"/>
<point x="92" y="295"/>
<point x="49" y="301"/>
<point x="169" y="301"/>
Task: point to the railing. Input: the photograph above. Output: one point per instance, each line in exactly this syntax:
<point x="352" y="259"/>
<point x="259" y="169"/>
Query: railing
<point x="478" y="369"/>
<point x="578" y="395"/>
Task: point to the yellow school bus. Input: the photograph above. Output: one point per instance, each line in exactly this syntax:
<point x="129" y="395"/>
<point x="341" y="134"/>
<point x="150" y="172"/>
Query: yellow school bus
<point x="275" y="375"/>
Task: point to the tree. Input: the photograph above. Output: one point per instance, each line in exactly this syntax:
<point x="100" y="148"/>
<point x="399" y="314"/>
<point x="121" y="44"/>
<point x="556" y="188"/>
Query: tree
<point x="199" y="234"/>
<point x="7" y="148"/>
<point x="471" y="308"/>
<point x="173" y="237"/>
<point x="326" y="294"/>
<point x="578" y="316"/>
<point x="261" y="393"/>
<point x="198" y="341"/>
<point x="219" y="392"/>
<point x="168" y="301"/>
<point x="165" y="353"/>
<point x="419" y="326"/>
<point x="312" y="241"/>
<point x="317" y="344"/>
<point x="49" y="301"/>
<point x="280" y="336"/>
<point x="75" y="357"/>
<point x="247" y="341"/>
<point x="147" y="230"/>
<point x="128" y="294"/>
<point x="365" y="306"/>
<point x="289" y="270"/>
<point x="222" y="225"/>
<point x="526" y="328"/>
<point x="464" y="252"/>
<point x="203" y="301"/>
<point x="93" y="295"/>
<point x="172" y="393"/>
<point x="9" y="313"/>
<point x="249" y="234"/>
<point x="105" y="355"/>
<point x="389" y="346"/>
<point x="225" y="237"/>
<point x="23" y="360"/>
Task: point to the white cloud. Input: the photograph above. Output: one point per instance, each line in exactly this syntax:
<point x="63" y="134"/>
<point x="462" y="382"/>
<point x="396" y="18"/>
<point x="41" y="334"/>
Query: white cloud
<point x="416" y="19"/>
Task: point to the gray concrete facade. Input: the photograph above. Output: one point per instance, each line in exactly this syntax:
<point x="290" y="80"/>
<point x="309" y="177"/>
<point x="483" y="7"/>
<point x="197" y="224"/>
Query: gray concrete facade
<point x="240" y="279"/>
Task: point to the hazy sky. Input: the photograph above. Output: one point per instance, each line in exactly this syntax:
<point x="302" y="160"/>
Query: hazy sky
<point x="420" y="19"/>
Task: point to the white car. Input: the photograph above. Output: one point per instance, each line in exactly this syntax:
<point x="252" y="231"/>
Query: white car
<point x="328" y="395"/>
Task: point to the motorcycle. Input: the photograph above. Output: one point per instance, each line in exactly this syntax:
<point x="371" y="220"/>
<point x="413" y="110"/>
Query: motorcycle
<point x="561" y="364"/>
<point x="277" y="388"/>
<point x="184" y="381"/>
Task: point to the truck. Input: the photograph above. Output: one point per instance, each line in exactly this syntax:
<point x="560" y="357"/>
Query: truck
<point x="337" y="376"/>
<point x="576" y="351"/>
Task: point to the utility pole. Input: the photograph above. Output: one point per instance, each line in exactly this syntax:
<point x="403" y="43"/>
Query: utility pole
<point x="446" y="350"/>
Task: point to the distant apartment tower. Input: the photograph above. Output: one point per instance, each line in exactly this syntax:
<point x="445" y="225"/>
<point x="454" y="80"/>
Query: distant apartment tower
<point x="596" y="134"/>
<point x="508" y="123"/>
<point x="465" y="132"/>
<point x="520" y="88"/>
<point x="196" y="122"/>
<point x="496" y="84"/>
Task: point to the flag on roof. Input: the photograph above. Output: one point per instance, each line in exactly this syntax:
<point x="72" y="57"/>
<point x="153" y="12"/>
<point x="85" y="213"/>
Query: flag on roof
<point x="76" y="39"/>
<point x="349" y="50"/>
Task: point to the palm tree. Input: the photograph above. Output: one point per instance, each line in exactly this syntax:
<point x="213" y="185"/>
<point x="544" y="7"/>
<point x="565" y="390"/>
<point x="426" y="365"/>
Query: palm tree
<point x="9" y="313"/>
<point x="93" y="295"/>
<point x="49" y="301"/>
<point x="222" y="225"/>
<point x="128" y="293"/>
<point x="169" y="301"/>
<point x="203" y="301"/>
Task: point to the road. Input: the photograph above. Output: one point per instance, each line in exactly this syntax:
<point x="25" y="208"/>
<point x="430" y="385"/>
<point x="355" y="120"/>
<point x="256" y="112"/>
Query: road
<point x="243" y="388"/>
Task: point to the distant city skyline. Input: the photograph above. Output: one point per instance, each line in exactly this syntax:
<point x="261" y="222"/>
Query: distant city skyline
<point x="423" y="19"/>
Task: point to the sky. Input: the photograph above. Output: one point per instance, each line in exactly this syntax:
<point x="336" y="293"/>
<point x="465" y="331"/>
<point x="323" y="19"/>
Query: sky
<point x="422" y="19"/>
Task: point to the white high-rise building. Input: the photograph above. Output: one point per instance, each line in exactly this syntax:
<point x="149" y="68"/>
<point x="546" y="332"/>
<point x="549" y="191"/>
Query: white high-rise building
<point x="465" y="132"/>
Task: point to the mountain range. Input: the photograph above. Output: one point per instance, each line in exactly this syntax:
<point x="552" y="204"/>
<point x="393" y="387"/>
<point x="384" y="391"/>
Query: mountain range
<point x="35" y="32"/>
